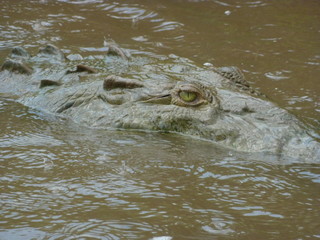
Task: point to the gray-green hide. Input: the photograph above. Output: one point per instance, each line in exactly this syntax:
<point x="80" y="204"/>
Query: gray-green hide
<point x="120" y="91"/>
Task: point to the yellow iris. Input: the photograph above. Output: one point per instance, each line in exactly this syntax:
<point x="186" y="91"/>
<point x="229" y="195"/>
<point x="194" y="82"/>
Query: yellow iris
<point x="187" y="96"/>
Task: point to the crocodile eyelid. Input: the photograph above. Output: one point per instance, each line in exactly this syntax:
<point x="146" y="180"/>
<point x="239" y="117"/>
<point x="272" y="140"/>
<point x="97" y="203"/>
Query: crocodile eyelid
<point x="112" y="82"/>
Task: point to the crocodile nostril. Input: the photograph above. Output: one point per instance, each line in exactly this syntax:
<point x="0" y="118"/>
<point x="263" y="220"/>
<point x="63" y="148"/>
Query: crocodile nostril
<point x="112" y="82"/>
<point x="16" y="67"/>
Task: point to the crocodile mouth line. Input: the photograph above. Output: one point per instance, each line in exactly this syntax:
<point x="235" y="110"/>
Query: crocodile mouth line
<point x="160" y="99"/>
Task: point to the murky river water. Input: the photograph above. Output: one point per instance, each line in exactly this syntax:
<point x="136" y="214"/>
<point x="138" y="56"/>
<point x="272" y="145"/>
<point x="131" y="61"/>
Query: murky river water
<point x="63" y="181"/>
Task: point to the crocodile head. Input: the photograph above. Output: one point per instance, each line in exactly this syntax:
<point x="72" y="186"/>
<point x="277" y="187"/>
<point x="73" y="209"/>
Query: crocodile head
<point x="168" y="94"/>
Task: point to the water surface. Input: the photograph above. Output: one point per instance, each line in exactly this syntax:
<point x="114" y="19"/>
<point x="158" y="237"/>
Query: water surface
<point x="63" y="181"/>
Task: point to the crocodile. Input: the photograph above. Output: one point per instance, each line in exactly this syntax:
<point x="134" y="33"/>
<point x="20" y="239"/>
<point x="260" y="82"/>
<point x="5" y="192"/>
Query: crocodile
<point x="156" y="93"/>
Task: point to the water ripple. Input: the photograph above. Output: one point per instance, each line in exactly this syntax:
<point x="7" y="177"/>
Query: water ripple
<point x="31" y="139"/>
<point x="277" y="75"/>
<point x="132" y="13"/>
<point x="81" y="1"/>
<point x="167" y="26"/>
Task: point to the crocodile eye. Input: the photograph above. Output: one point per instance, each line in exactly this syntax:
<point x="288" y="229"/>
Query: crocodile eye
<point x="188" y="96"/>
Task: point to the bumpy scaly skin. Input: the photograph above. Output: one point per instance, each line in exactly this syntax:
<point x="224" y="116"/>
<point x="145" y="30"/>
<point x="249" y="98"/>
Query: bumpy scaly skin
<point x="162" y="94"/>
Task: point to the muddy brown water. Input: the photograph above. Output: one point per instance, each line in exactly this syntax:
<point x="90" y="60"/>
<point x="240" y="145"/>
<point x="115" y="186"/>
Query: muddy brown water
<point x="63" y="181"/>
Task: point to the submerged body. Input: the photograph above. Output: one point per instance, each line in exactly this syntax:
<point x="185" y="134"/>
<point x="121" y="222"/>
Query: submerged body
<point x="168" y="94"/>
